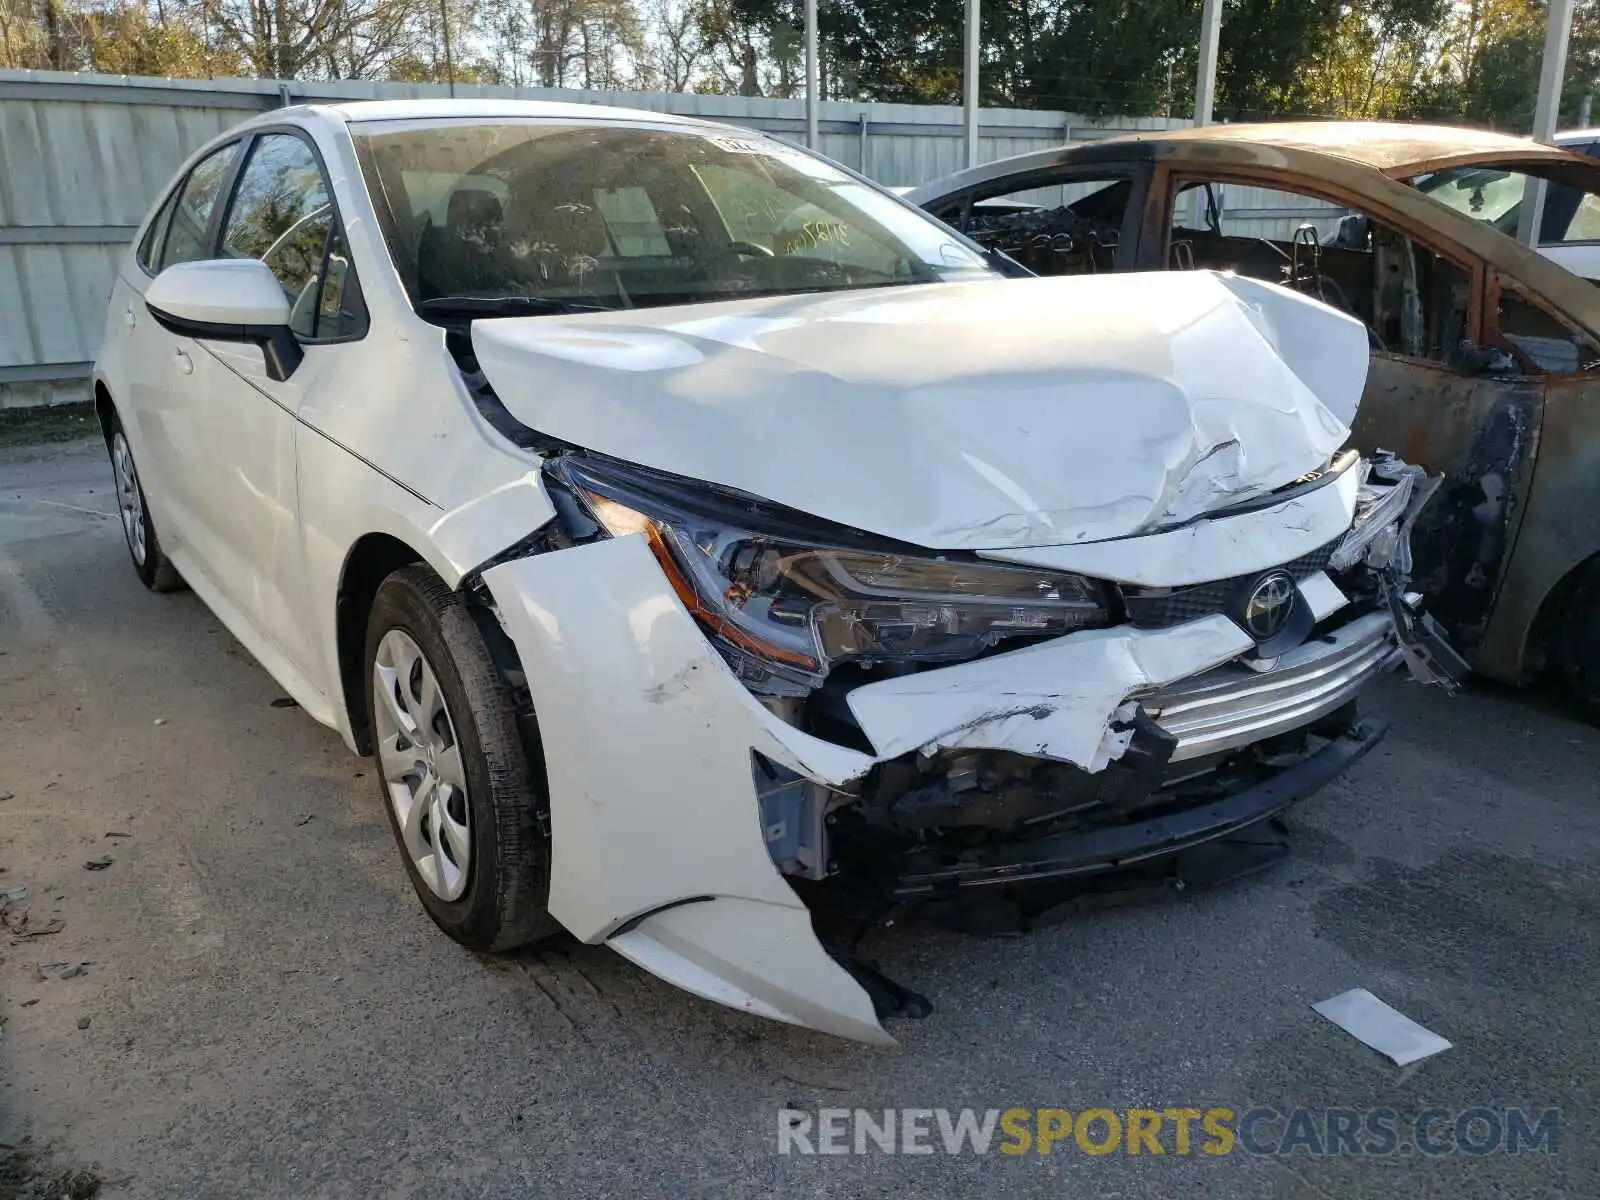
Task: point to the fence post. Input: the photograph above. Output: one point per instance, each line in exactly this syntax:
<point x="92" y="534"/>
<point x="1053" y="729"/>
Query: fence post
<point x="969" y="81"/>
<point x="813" y="137"/>
<point x="1547" y="113"/>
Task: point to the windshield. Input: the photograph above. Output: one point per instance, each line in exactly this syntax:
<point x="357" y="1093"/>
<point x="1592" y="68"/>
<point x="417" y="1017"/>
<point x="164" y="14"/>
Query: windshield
<point x="1494" y="196"/>
<point x="1486" y="194"/>
<point x="584" y="216"/>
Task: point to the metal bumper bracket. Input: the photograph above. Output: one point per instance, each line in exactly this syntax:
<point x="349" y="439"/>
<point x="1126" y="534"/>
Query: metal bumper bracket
<point x="1428" y="654"/>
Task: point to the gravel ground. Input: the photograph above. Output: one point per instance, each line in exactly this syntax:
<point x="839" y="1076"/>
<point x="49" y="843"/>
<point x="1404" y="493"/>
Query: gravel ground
<point x="263" y="1010"/>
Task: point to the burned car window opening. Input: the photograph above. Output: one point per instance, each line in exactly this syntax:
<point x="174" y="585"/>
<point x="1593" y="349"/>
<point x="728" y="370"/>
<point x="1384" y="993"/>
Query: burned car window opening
<point x="604" y="216"/>
<point x="1067" y="228"/>
<point x="1546" y="342"/>
<point x="1413" y="301"/>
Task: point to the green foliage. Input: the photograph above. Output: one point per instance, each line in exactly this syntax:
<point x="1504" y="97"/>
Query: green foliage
<point x="1488" y="65"/>
<point x="1471" y="61"/>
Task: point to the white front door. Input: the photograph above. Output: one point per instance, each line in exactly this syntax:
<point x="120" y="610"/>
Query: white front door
<point x="245" y="423"/>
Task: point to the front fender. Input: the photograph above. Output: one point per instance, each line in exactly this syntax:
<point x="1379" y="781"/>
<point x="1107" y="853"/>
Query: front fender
<point x="657" y="839"/>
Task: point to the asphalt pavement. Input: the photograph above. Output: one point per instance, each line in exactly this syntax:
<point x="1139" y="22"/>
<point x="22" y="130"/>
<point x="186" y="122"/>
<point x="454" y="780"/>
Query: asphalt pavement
<point x="263" y="1009"/>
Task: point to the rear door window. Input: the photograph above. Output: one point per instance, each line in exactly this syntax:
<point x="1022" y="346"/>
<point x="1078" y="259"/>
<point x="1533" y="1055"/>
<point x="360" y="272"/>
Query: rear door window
<point x="186" y="237"/>
<point x="150" y="244"/>
<point x="1577" y="219"/>
<point x="1547" y="342"/>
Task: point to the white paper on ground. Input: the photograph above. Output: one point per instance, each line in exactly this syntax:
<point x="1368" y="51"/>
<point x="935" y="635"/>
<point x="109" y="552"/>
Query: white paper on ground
<point x="1362" y="1015"/>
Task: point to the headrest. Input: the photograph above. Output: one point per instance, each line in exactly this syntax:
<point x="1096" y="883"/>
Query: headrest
<point x="474" y="208"/>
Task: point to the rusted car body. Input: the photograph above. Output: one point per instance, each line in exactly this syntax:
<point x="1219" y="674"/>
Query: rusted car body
<point x="1486" y="354"/>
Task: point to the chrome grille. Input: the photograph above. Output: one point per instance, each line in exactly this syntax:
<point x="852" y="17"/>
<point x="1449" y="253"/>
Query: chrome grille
<point x="1233" y="706"/>
<point x="1148" y="609"/>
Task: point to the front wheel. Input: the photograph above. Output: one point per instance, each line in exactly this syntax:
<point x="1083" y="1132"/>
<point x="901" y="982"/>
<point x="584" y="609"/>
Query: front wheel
<point x="465" y="805"/>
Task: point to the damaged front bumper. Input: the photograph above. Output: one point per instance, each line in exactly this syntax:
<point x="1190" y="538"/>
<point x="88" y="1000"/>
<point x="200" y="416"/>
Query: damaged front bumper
<point x="675" y="793"/>
<point x="1114" y="847"/>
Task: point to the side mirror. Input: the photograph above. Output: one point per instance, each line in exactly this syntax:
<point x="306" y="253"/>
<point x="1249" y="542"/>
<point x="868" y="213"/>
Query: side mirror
<point x="228" y="300"/>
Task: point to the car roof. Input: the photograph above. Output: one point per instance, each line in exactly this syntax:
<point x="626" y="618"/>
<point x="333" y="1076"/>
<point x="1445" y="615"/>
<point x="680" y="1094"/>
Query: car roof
<point x="362" y="111"/>
<point x="1387" y="146"/>
<point x="405" y="110"/>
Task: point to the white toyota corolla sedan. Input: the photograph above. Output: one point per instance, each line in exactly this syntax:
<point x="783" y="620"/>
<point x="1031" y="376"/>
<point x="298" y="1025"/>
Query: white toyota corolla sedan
<point x="700" y="536"/>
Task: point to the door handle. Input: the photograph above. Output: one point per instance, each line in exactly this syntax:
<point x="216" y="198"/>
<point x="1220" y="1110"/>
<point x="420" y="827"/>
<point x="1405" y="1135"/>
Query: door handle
<point x="128" y="317"/>
<point x="185" y="363"/>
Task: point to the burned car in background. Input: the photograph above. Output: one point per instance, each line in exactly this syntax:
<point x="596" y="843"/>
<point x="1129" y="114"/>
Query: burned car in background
<point x="1485" y="353"/>
<point x="685" y="523"/>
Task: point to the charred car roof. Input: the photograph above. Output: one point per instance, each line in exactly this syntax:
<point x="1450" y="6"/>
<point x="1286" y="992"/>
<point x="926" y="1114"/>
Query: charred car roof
<point x="1391" y="147"/>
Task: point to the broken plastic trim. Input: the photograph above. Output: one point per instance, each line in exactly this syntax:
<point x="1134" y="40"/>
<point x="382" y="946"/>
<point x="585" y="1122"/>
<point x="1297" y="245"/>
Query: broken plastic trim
<point x="458" y="344"/>
<point x="889" y="999"/>
<point x="634" y="922"/>
<point x="714" y="501"/>
<point x="1385" y="514"/>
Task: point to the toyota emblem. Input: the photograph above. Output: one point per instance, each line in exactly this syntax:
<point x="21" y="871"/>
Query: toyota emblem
<point x="1269" y="606"/>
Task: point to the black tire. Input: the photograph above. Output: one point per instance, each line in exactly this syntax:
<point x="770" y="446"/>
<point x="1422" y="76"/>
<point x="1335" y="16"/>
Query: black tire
<point x="508" y="876"/>
<point x="154" y="568"/>
<point x="1580" y="644"/>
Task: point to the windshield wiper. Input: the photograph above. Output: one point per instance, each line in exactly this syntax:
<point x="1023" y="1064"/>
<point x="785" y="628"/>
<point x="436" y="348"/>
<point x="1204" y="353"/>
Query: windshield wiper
<point x="504" y="306"/>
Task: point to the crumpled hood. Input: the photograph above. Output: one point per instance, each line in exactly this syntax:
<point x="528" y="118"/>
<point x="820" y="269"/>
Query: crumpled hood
<point x="964" y="416"/>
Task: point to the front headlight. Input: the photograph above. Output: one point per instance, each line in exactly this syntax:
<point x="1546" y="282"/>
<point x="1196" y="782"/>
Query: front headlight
<point x="797" y="595"/>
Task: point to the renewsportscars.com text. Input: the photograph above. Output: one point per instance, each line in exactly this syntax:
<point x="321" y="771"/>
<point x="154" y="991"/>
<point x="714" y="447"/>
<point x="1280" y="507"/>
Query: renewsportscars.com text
<point x="1214" y="1131"/>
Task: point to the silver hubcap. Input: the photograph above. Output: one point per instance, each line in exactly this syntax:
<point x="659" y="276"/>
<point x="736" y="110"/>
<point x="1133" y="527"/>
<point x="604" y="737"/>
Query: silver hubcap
<point x="129" y="500"/>
<point x="421" y="764"/>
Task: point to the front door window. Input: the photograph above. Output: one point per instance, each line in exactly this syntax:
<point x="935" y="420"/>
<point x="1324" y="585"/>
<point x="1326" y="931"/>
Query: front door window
<point x="1413" y="301"/>
<point x="282" y="215"/>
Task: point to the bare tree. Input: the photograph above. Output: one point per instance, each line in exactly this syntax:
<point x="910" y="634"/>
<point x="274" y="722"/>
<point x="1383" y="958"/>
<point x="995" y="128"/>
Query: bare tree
<point x="564" y="43"/>
<point x="677" y="43"/>
<point x="293" y="39"/>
